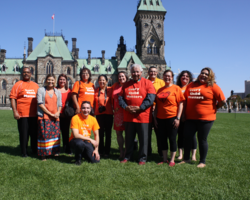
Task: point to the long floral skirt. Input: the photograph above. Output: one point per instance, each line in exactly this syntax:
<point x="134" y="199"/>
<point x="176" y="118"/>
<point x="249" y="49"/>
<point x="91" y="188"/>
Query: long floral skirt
<point x="48" y="142"/>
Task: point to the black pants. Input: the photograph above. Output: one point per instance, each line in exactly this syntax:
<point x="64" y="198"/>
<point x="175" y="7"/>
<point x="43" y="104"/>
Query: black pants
<point x="157" y="139"/>
<point x="181" y="137"/>
<point x="203" y="128"/>
<point x="131" y="128"/>
<point x="27" y="126"/>
<point x="83" y="149"/>
<point x="64" y="126"/>
<point x="105" y="122"/>
<point x="167" y="131"/>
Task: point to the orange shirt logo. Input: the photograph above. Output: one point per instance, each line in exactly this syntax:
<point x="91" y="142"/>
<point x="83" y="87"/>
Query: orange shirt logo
<point x="163" y="96"/>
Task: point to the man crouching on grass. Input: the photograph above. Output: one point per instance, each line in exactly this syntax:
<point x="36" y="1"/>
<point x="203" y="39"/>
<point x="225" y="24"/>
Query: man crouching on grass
<point x="81" y="126"/>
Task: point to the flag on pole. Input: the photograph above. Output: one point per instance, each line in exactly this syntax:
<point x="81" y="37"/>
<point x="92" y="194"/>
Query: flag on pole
<point x="53" y="16"/>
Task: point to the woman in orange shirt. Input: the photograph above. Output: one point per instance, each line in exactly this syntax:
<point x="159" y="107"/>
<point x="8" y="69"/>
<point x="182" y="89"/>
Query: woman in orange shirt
<point x="169" y="104"/>
<point x="203" y="98"/>
<point x="48" y="110"/>
<point x="118" y="111"/>
<point x="104" y="113"/>
<point x="183" y="79"/>
<point x="83" y="90"/>
<point x="62" y="86"/>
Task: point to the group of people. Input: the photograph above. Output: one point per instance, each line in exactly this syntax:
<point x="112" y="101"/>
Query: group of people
<point x="136" y="105"/>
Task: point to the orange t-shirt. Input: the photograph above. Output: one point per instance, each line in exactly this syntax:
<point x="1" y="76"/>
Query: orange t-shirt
<point x="86" y="92"/>
<point x="108" y="104"/>
<point x="134" y="93"/>
<point x="167" y="100"/>
<point x="50" y="105"/>
<point x="202" y="100"/>
<point x="25" y="95"/>
<point x="85" y="126"/>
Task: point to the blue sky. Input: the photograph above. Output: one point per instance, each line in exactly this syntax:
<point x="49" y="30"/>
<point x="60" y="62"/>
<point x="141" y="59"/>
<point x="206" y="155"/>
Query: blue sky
<point x="198" y="33"/>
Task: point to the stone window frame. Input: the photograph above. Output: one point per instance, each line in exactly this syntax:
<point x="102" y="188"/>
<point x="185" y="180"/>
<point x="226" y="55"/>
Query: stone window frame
<point x="1" y="81"/>
<point x="151" y="2"/>
<point x="152" y="48"/>
<point x="3" y="68"/>
<point x="33" y="68"/>
<point x="144" y="2"/>
<point x="16" y="67"/>
<point x="157" y="3"/>
<point x="14" y="81"/>
<point x="72" y="81"/>
<point x="45" y="66"/>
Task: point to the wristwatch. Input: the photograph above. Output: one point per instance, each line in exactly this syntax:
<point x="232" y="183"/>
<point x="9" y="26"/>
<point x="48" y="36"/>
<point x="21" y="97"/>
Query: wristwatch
<point x="178" y="118"/>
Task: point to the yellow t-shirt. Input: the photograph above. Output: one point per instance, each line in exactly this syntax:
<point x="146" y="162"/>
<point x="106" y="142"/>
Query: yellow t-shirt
<point x="85" y="126"/>
<point x="158" y="83"/>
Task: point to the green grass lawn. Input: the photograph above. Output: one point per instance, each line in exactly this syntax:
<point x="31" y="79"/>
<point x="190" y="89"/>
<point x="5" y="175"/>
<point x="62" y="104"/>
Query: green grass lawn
<point x="226" y="176"/>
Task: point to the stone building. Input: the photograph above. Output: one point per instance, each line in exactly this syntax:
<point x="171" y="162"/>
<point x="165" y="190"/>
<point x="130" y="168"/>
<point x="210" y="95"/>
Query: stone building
<point x="52" y="54"/>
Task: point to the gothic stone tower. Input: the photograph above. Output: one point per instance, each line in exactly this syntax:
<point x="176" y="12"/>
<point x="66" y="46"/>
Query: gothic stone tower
<point x="149" y="22"/>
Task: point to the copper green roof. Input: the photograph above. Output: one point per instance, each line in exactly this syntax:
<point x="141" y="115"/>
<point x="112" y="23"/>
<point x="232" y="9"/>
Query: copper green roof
<point x="10" y="65"/>
<point x="127" y="57"/>
<point x="146" y="5"/>
<point x="98" y="62"/>
<point x="51" y="45"/>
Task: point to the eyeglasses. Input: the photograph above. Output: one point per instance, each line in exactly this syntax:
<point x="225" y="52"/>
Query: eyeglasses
<point x="203" y="73"/>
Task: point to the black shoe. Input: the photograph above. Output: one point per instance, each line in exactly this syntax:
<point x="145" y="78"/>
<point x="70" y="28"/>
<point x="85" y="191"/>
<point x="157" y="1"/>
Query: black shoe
<point x="78" y="162"/>
<point x="25" y="155"/>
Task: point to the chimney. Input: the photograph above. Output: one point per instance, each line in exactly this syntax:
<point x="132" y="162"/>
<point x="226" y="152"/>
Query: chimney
<point x="77" y="53"/>
<point x="89" y="57"/>
<point x="30" y="45"/>
<point x="66" y="42"/>
<point x="2" y="55"/>
<point x="103" y="57"/>
<point x="24" y="54"/>
<point x="73" y="44"/>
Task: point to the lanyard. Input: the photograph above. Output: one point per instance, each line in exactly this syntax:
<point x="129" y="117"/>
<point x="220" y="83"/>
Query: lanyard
<point x="105" y="96"/>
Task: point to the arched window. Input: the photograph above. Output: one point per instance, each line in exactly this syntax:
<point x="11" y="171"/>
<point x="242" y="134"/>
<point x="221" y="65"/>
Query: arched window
<point x="4" y="85"/>
<point x="16" y="68"/>
<point x="96" y="84"/>
<point x="70" y="84"/>
<point x="31" y="70"/>
<point x="96" y="68"/>
<point x="3" y="68"/>
<point x="49" y="67"/>
<point x="109" y="82"/>
<point x="68" y="71"/>
<point x="149" y="49"/>
<point x="109" y="68"/>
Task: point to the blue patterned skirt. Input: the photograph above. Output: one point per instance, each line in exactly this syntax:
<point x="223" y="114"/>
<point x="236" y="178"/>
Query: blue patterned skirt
<point x="48" y="142"/>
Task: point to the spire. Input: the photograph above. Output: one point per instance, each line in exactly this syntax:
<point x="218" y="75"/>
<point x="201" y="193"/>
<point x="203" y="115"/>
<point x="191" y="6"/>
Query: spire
<point x="151" y="5"/>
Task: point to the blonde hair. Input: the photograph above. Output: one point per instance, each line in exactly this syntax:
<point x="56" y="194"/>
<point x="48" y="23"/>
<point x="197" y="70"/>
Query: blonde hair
<point x="48" y="76"/>
<point x="211" y="77"/>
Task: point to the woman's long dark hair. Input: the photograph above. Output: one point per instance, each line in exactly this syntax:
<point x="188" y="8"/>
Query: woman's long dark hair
<point x="178" y="82"/>
<point x="66" y="84"/>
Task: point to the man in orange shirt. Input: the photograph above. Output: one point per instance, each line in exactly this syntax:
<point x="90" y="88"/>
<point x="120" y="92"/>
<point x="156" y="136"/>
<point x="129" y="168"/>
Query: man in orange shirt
<point x="81" y="126"/>
<point x="24" y="106"/>
<point x="157" y="83"/>
<point x="136" y="98"/>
